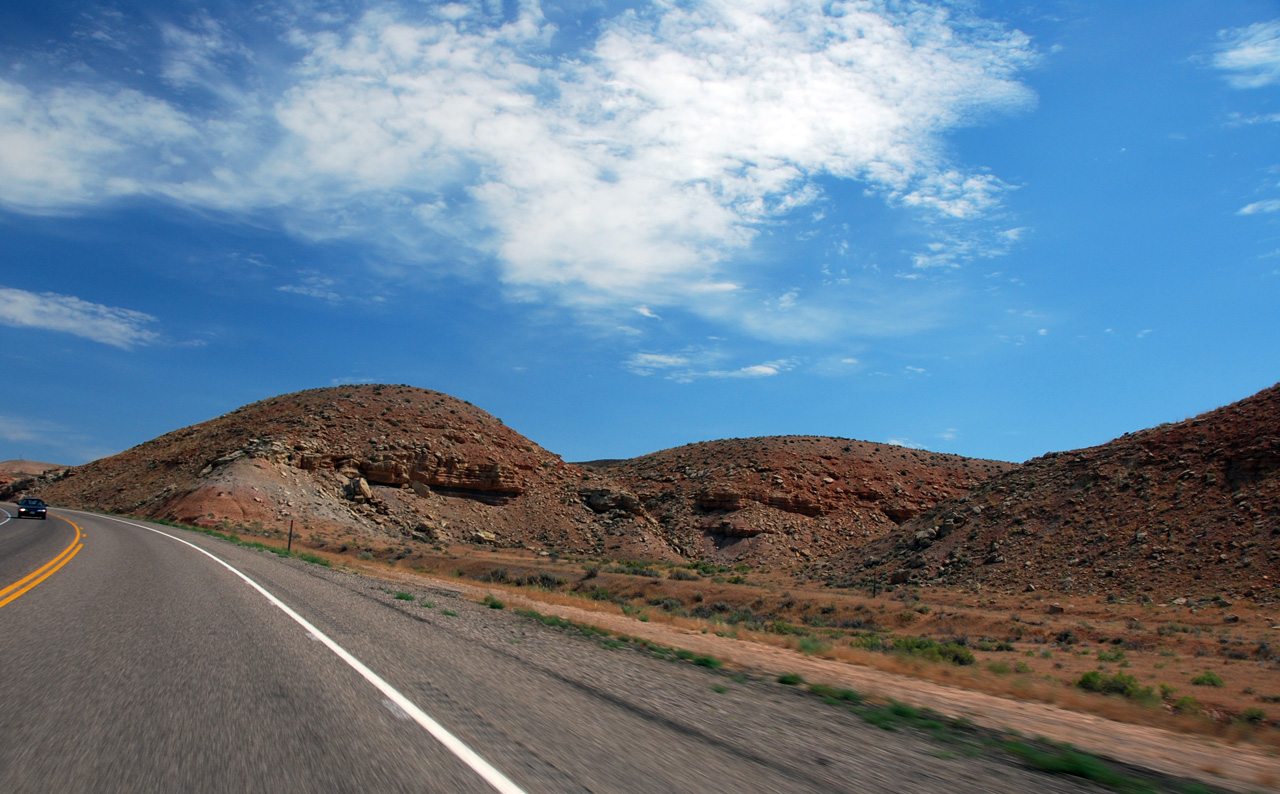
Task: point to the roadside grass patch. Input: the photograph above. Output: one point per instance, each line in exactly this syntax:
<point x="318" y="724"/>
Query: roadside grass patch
<point x="449" y="612"/>
<point x="403" y="596"/>
<point x="305" y="556"/>
<point x="493" y="603"/>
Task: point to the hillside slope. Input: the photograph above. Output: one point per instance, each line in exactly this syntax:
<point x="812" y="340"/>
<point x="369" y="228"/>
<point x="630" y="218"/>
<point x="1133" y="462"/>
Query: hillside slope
<point x="1179" y="509"/>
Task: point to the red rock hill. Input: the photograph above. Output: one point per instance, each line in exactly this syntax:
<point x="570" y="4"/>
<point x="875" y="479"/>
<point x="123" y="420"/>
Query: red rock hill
<point x="786" y="500"/>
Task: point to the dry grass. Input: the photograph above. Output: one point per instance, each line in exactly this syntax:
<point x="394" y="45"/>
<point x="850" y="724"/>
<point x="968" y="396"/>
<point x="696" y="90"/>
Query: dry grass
<point x="1171" y="645"/>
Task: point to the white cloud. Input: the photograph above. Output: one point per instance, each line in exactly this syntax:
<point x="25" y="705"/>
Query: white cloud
<point x="765" y="370"/>
<point x="688" y="367"/>
<point x="629" y="173"/>
<point x="122" y="328"/>
<point x="1250" y="55"/>
<point x="67" y="147"/>
<point x="1270" y="205"/>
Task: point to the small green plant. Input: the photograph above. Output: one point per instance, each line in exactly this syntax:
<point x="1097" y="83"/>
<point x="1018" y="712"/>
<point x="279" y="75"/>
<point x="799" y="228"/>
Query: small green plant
<point x="449" y="612"/>
<point x="366" y="555"/>
<point x="790" y="679"/>
<point x="1207" y="678"/>
<point x="493" y="603"/>
<point x="429" y="604"/>
<point x="812" y="645"/>
<point x="1186" y="705"/>
<point x="1254" y="715"/>
<point x="403" y="596"/>
<point x="1111" y="656"/>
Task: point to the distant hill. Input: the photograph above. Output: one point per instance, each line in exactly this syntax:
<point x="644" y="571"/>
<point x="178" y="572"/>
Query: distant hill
<point x="27" y="467"/>
<point x="784" y="501"/>
<point x="19" y="470"/>
<point x="1185" y="508"/>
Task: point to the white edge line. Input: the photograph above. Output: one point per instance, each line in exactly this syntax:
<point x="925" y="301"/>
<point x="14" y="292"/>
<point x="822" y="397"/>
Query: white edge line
<point x="7" y="517"/>
<point x="455" y="745"/>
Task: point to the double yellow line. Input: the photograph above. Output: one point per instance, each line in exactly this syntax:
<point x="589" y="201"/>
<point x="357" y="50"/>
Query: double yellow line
<point x="31" y="580"/>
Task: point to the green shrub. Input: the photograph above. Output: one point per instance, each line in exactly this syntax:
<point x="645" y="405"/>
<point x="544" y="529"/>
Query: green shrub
<point x="1254" y="715"/>
<point x="403" y="596"/>
<point x="790" y="679"/>
<point x="1121" y="684"/>
<point x="1186" y="705"/>
<point x="1207" y="678"/>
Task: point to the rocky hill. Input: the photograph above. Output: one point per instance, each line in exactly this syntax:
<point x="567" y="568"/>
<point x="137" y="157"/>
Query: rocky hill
<point x="1180" y="509"/>
<point x="784" y="501"/>
<point x="358" y="466"/>
<point x="363" y="463"/>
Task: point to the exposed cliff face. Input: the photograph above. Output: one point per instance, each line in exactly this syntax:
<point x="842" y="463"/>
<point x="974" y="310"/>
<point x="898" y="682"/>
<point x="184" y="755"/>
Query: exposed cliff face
<point x="1179" y="509"/>
<point x="788" y="500"/>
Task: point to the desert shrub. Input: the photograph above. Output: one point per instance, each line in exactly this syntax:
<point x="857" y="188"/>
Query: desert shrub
<point x="1121" y="684"/>
<point x="1254" y="715"/>
<point x="921" y="647"/>
<point x="498" y="575"/>
<point x="541" y="579"/>
<point x="1207" y="678"/>
<point x="684" y="575"/>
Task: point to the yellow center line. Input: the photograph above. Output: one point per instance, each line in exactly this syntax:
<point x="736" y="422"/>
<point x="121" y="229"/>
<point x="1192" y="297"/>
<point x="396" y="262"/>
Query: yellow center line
<point x="45" y="571"/>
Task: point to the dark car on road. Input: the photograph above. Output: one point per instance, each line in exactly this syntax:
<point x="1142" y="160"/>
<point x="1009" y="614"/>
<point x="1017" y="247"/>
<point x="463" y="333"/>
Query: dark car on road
<point x="32" y="508"/>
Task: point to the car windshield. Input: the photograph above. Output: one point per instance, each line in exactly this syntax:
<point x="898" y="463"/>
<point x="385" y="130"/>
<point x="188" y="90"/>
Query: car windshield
<point x="32" y="502"/>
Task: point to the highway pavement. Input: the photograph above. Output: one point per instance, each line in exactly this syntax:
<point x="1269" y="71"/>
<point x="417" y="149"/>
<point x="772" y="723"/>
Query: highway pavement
<point x="141" y="658"/>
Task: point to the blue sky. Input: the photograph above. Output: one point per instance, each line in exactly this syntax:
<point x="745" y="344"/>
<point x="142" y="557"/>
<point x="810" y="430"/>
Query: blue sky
<point x="990" y="228"/>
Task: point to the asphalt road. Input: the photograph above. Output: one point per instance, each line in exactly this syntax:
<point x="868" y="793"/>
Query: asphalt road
<point x="144" y="665"/>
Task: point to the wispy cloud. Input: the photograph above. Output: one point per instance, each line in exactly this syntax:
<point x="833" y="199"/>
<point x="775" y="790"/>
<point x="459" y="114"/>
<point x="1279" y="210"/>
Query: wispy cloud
<point x="110" y="325"/>
<point x="631" y="172"/>
<point x="314" y="285"/>
<point x="686" y="368"/>
<point x="1270" y="205"/>
<point x="1250" y="55"/>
